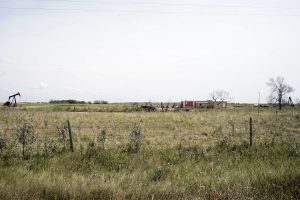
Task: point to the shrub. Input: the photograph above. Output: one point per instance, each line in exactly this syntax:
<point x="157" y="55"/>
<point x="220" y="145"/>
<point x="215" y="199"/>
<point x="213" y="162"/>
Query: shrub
<point x="91" y="151"/>
<point x="26" y="136"/>
<point x="100" y="102"/>
<point x="2" y="143"/>
<point x="63" y="138"/>
<point x="50" y="147"/>
<point x="159" y="174"/>
<point x="101" y="138"/>
<point x="135" y="142"/>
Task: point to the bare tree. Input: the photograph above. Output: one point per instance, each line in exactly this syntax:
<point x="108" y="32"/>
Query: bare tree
<point x="220" y="95"/>
<point x="279" y="89"/>
<point x="213" y="95"/>
<point x="223" y="95"/>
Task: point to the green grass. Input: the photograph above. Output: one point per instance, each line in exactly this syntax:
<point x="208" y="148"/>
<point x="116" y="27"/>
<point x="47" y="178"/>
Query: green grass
<point x="184" y="155"/>
<point x="261" y="171"/>
<point x="112" y="107"/>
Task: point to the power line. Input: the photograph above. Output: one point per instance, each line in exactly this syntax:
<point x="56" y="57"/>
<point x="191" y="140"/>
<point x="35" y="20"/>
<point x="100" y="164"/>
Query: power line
<point x="146" y="11"/>
<point x="171" y="4"/>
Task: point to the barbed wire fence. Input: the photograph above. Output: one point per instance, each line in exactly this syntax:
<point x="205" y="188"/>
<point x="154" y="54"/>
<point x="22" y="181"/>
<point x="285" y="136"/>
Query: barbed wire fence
<point x="74" y="131"/>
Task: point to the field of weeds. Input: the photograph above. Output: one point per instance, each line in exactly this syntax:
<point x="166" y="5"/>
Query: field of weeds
<point x="203" y="154"/>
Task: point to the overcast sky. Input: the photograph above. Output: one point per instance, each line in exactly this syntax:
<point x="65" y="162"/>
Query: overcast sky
<point x="144" y="50"/>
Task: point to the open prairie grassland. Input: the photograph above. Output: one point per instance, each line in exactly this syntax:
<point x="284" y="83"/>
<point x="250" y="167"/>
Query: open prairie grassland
<point x="204" y="154"/>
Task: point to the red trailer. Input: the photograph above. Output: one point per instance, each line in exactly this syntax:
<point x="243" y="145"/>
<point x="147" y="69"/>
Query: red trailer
<point x="187" y="104"/>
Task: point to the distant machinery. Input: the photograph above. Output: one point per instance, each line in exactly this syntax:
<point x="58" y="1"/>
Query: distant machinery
<point x="149" y="108"/>
<point x="12" y="101"/>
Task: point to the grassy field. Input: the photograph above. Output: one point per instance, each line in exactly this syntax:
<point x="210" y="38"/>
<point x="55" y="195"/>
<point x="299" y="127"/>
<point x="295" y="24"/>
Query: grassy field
<point x="112" y="107"/>
<point x="123" y="153"/>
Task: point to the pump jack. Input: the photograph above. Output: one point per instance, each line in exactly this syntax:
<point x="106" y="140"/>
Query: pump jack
<point x="12" y="101"/>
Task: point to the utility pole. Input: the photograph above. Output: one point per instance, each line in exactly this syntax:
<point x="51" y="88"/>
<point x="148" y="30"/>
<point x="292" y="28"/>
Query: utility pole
<point x="258" y="103"/>
<point x="251" y="132"/>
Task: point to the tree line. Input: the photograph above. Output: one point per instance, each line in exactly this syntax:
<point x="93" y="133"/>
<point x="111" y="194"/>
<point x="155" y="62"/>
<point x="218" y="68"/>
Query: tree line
<point x="72" y="101"/>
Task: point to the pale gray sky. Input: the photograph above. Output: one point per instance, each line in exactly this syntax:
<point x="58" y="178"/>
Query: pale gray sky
<point x="141" y="50"/>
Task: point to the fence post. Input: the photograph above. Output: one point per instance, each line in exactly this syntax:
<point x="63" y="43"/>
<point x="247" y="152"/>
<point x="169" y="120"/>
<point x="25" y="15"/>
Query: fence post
<point x="251" y="132"/>
<point x="70" y="136"/>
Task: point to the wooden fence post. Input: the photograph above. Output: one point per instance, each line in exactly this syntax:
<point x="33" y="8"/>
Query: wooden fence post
<point x="251" y="132"/>
<point x="70" y="136"/>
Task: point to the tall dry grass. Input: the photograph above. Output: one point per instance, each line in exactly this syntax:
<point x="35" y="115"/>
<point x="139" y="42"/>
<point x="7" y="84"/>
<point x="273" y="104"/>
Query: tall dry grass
<point x="181" y="155"/>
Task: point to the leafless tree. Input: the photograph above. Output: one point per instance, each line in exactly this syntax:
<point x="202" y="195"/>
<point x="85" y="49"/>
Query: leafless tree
<point x="223" y="95"/>
<point x="213" y="95"/>
<point x="279" y="89"/>
<point x="220" y="95"/>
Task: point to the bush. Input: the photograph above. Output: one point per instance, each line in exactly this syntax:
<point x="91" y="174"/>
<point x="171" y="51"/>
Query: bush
<point x="101" y="138"/>
<point x="63" y="138"/>
<point x="2" y="143"/>
<point x="26" y="136"/>
<point x="100" y="102"/>
<point x="69" y="101"/>
<point x="159" y="174"/>
<point x="50" y="147"/>
<point x="135" y="142"/>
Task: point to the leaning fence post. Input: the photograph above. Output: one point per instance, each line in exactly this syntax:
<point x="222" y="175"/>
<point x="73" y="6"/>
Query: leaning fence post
<point x="251" y="132"/>
<point x="70" y="136"/>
